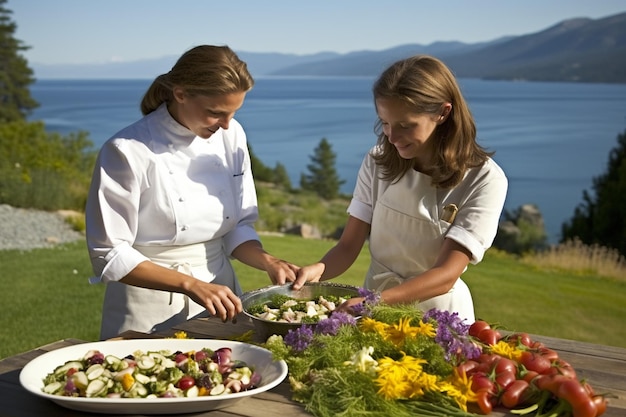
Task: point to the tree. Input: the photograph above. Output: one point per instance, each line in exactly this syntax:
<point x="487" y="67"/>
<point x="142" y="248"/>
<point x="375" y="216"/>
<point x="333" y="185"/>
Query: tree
<point x="16" y="76"/>
<point x="322" y="177"/>
<point x="281" y="177"/>
<point x="601" y="218"/>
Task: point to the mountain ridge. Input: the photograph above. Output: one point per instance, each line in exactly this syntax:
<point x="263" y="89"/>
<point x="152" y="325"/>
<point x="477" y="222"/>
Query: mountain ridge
<point x="573" y="50"/>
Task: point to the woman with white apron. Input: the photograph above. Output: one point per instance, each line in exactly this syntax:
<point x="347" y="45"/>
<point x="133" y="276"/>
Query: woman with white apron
<point x="172" y="198"/>
<point x="427" y="197"/>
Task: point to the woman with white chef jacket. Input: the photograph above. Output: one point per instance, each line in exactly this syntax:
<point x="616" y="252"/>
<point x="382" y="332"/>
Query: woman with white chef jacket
<point x="428" y="197"/>
<point x="172" y="198"/>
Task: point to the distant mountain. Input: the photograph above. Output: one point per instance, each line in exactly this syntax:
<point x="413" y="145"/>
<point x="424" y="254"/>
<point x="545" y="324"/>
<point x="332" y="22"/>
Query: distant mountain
<point x="581" y="50"/>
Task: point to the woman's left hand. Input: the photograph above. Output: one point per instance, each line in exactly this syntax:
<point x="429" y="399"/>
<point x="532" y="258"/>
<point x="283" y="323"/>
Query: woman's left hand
<point x="347" y="306"/>
<point x="281" y="272"/>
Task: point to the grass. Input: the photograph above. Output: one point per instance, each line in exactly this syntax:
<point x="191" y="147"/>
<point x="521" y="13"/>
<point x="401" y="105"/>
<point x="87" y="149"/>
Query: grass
<point x="45" y="295"/>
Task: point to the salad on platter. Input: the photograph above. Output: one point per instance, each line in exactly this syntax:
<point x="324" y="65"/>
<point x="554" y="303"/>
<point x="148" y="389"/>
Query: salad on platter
<point x="152" y="374"/>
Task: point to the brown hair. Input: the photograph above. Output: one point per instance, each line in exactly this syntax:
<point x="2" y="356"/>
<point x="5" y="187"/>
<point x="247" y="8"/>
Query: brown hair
<point x="426" y="84"/>
<point x="203" y="70"/>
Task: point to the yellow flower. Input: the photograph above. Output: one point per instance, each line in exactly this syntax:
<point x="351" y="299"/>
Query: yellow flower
<point x="180" y="335"/>
<point x="400" y="379"/>
<point x="459" y="388"/>
<point x="368" y="324"/>
<point x="399" y="332"/>
<point x="427" y="329"/>
<point x="504" y="349"/>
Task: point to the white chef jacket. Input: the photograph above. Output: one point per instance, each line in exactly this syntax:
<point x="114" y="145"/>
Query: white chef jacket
<point x="414" y="225"/>
<point x="156" y="185"/>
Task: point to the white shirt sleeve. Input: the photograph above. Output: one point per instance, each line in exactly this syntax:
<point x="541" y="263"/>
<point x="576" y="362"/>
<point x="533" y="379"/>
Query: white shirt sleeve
<point x="483" y="192"/>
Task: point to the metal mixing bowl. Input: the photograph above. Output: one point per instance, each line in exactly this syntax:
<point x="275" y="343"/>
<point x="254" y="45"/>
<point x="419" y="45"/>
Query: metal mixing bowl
<point x="310" y="291"/>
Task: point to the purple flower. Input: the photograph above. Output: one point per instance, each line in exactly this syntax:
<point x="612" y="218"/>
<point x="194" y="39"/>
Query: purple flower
<point x="452" y="334"/>
<point x="298" y="340"/>
<point x="332" y="324"/>
<point x="371" y="298"/>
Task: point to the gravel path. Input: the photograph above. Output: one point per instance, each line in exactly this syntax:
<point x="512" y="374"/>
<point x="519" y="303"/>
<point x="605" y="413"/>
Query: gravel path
<point x="28" y="229"/>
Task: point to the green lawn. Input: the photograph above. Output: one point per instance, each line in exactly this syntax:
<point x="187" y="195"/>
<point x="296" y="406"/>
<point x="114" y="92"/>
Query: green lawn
<point x="45" y="295"/>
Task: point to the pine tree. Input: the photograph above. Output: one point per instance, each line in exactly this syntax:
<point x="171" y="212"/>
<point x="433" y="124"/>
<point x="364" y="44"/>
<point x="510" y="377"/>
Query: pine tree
<point x="16" y="102"/>
<point x="601" y="218"/>
<point x="322" y="178"/>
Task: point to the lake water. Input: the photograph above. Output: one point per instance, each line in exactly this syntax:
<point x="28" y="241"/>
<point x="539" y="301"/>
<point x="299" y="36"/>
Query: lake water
<point x="551" y="139"/>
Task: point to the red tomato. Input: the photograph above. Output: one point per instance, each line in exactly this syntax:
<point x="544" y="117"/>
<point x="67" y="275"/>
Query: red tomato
<point x="71" y="371"/>
<point x="513" y="395"/>
<point x="533" y="361"/>
<point x="564" y="368"/>
<point x="486" y="362"/>
<point x="506" y="365"/>
<point x="550" y="382"/>
<point x="505" y="379"/>
<point x="586" y="408"/>
<point x="186" y="382"/>
<point x="484" y="401"/>
<point x="600" y="403"/>
<point x="548" y="353"/>
<point x="521" y="339"/>
<point x="480" y="381"/>
<point x="200" y="355"/>
<point x="180" y="357"/>
<point x="476" y="327"/>
<point x="489" y="336"/>
<point x="572" y="391"/>
<point x="530" y="375"/>
<point x="467" y="367"/>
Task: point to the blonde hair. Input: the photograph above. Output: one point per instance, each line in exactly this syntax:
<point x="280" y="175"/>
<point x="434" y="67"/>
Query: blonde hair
<point x="204" y="70"/>
<point x="426" y="85"/>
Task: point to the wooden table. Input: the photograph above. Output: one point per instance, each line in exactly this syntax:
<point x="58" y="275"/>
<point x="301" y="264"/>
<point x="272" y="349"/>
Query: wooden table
<point x="603" y="366"/>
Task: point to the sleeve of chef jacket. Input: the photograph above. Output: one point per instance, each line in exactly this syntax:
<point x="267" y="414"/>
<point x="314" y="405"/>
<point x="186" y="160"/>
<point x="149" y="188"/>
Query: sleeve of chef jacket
<point x="112" y="213"/>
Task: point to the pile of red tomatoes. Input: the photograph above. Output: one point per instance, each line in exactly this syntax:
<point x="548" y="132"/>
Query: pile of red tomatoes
<point x="535" y="382"/>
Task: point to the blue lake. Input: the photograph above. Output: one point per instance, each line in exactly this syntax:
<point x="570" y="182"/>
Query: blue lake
<point x="551" y="139"/>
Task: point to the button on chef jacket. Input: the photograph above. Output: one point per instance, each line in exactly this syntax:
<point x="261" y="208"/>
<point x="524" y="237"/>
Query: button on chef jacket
<point x="156" y="184"/>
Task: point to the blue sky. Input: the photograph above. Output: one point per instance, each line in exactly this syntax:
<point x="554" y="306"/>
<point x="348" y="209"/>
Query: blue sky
<point x="88" y="31"/>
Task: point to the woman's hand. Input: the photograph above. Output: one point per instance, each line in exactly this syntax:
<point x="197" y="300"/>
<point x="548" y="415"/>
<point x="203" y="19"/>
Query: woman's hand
<point x="347" y="306"/>
<point x="281" y="272"/>
<point x="309" y="273"/>
<point x="219" y="300"/>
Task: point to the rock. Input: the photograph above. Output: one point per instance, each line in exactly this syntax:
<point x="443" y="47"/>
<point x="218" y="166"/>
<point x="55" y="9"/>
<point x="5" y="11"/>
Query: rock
<point x="305" y="230"/>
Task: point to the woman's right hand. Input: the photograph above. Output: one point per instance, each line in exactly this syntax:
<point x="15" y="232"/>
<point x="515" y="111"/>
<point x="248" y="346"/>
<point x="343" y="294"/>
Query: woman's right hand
<point x="309" y="273"/>
<point x="219" y="300"/>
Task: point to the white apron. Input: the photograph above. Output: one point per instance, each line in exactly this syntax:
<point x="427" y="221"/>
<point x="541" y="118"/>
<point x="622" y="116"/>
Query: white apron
<point x="127" y="307"/>
<point x="405" y="239"/>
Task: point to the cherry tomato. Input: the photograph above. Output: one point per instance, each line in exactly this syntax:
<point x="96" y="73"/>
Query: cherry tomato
<point x="600" y="403"/>
<point x="549" y="382"/>
<point x="572" y="391"/>
<point x="480" y="381"/>
<point x="521" y="339"/>
<point x="489" y="336"/>
<point x="179" y="357"/>
<point x="505" y="379"/>
<point x="186" y="382"/>
<point x="548" y="353"/>
<point x="564" y="368"/>
<point x="200" y="356"/>
<point x="483" y="399"/>
<point x="513" y="395"/>
<point x="533" y="361"/>
<point x="586" y="408"/>
<point x="529" y="376"/>
<point x="506" y="365"/>
<point x="476" y="327"/>
<point x="467" y="367"/>
<point x="486" y="362"/>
